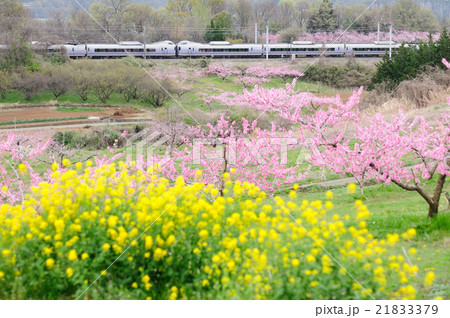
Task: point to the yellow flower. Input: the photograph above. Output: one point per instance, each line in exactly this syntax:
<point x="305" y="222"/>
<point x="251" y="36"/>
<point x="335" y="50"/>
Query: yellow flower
<point x="66" y="162"/>
<point x="134" y="285"/>
<point x="6" y="253"/>
<point x="310" y="258"/>
<point x="411" y="233"/>
<point x="69" y="272"/>
<point x="314" y="284"/>
<point x="106" y="246"/>
<point x="84" y="256"/>
<point x="296" y="186"/>
<point x="159" y="254"/>
<point x="198" y="175"/>
<point x="148" y="242"/>
<point x="146" y="279"/>
<point x="351" y="188"/>
<point x="412" y="251"/>
<point x="173" y="296"/>
<point x="73" y="256"/>
<point x="203" y="234"/>
<point x="49" y="263"/>
<point x="205" y="282"/>
<point x="22" y="168"/>
<point x="170" y="240"/>
<point x="329" y="195"/>
<point x="429" y="278"/>
<point x="2" y="274"/>
<point x="295" y="262"/>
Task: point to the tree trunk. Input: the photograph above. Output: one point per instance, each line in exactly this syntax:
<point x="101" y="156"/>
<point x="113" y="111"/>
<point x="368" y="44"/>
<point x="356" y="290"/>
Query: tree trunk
<point x="434" y="206"/>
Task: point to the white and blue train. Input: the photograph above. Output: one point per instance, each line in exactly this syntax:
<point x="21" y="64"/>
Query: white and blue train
<point x="221" y="49"/>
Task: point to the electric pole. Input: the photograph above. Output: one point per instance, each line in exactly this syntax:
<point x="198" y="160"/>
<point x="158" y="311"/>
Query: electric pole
<point x="256" y="33"/>
<point x="267" y="42"/>
<point x="378" y="32"/>
<point x="145" y="40"/>
<point x="390" y="41"/>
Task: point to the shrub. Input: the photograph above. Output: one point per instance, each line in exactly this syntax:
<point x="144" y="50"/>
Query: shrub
<point x="104" y="81"/>
<point x="5" y="84"/>
<point x="94" y="140"/>
<point x="349" y="75"/>
<point x="204" y="63"/>
<point x="59" y="81"/>
<point x="17" y="55"/>
<point x="289" y="35"/>
<point x="81" y="72"/>
<point x="156" y="94"/>
<point x="30" y="84"/>
<point x="131" y="83"/>
<point x="177" y="244"/>
<point x="408" y="62"/>
<point x="422" y="89"/>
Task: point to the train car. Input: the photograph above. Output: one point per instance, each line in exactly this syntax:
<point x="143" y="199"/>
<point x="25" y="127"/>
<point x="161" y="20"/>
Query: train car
<point x="222" y="49"/>
<point x="304" y="49"/>
<point x="371" y="49"/>
<point x="164" y="49"/>
<point x="73" y="50"/>
<point x="112" y="51"/>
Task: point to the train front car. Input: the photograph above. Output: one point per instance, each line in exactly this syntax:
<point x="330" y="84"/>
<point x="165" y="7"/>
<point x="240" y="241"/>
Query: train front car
<point x="163" y="49"/>
<point x="220" y="49"/>
<point x="376" y="49"/>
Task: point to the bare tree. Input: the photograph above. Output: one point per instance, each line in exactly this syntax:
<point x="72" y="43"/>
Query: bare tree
<point x="30" y="84"/>
<point x="285" y="13"/>
<point x="242" y="12"/>
<point x="59" y="81"/>
<point x="264" y="11"/>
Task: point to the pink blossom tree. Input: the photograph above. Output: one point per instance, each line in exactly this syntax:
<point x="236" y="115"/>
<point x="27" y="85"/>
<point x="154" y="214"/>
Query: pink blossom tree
<point x="247" y="153"/>
<point x="284" y="72"/>
<point x="220" y="71"/>
<point x="15" y="154"/>
<point x="247" y="81"/>
<point x="375" y="149"/>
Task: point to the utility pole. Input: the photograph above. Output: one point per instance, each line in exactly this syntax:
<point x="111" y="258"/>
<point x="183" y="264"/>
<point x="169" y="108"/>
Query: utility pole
<point x="145" y="40"/>
<point x="134" y="31"/>
<point x="256" y="33"/>
<point x="267" y="42"/>
<point x="390" y="41"/>
<point x="378" y="32"/>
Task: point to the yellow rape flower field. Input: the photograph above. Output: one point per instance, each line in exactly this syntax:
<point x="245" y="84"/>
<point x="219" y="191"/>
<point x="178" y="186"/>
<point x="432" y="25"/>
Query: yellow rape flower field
<point x="110" y="234"/>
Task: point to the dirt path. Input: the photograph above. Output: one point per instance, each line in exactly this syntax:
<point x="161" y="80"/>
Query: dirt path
<point x="51" y="112"/>
<point x="330" y="183"/>
<point x="69" y="126"/>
